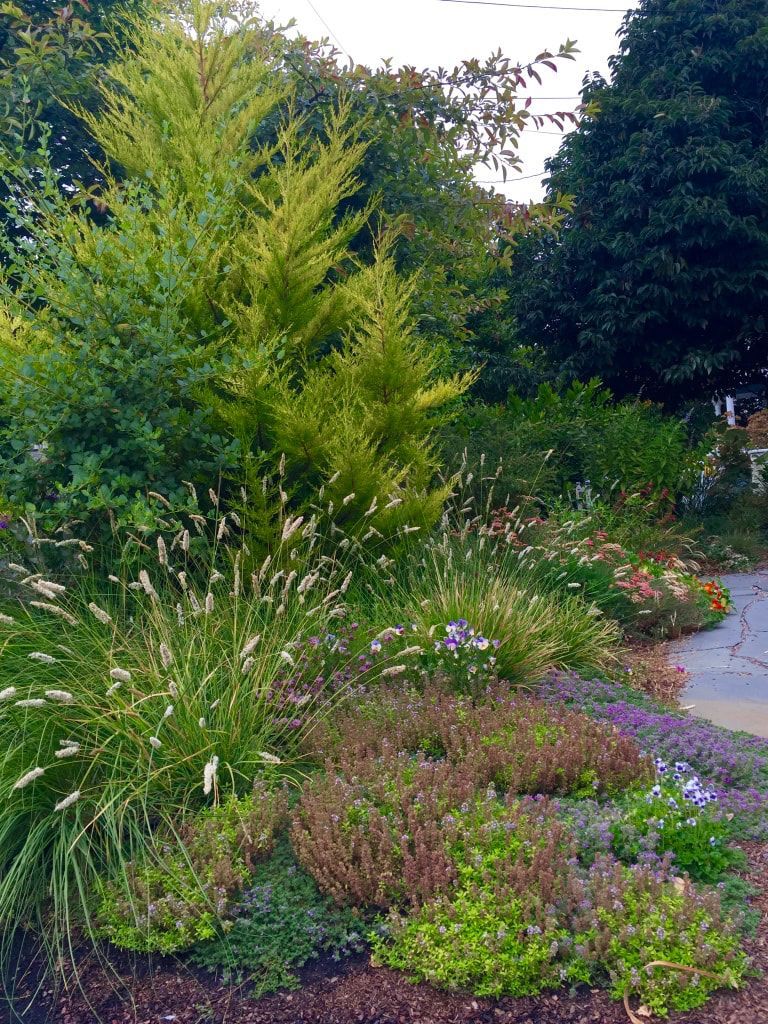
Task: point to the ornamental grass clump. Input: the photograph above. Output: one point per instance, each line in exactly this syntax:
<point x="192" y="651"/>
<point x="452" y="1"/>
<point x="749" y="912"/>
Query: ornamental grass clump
<point x="461" y="576"/>
<point x="157" y="693"/>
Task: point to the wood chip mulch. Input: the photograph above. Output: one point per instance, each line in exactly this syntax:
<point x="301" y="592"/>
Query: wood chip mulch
<point x="167" y="993"/>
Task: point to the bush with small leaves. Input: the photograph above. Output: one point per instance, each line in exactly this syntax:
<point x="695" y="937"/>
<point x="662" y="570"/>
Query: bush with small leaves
<point x="517" y="743"/>
<point x="180" y="892"/>
<point x="280" y="922"/>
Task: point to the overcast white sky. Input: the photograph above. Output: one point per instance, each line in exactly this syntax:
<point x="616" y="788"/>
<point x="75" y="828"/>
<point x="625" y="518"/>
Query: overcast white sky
<point x="432" y="32"/>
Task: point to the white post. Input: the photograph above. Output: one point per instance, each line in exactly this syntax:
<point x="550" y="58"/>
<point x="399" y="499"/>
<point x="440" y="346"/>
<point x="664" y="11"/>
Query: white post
<point x="730" y="410"/>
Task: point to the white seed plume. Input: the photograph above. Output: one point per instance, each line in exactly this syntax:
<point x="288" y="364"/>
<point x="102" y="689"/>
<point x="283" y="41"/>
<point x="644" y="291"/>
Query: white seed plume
<point x="235" y="519"/>
<point x="159" y="497"/>
<point x="290" y="526"/>
<point x="247" y="666"/>
<point x="183" y="580"/>
<point x="185" y="541"/>
<point x="7" y="693"/>
<point x="162" y="552"/>
<point x="168" y="711"/>
<point x="213" y="496"/>
<point x="287" y="657"/>
<point x="57" y="588"/>
<point x="146" y="584"/>
<point x="68" y="751"/>
<point x="202" y="722"/>
<point x="216" y="576"/>
<point x="61" y="696"/>
<point x="53" y="609"/>
<point x="7" y="620"/>
<point x="113" y="689"/>
<point x="62" y="805"/>
<point x="173" y="690"/>
<point x="113" y="579"/>
<point x="165" y="655"/>
<point x="394" y="503"/>
<point x="29" y="777"/>
<point x="179" y="614"/>
<point x="215" y="704"/>
<point x="15" y="567"/>
<point x="46" y="659"/>
<point x="269" y="758"/>
<point x="122" y="675"/>
<point x="250" y="645"/>
<point x="195" y="604"/>
<point x="208" y="603"/>
<point x="155" y="743"/>
<point x="31" y="702"/>
<point x="191" y="488"/>
<point x="209" y="774"/>
<point x="223" y="529"/>
<point x="394" y="670"/>
<point x="100" y="614"/>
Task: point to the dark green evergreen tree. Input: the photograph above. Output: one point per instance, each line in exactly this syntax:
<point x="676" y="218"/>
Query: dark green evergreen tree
<point x="659" y="279"/>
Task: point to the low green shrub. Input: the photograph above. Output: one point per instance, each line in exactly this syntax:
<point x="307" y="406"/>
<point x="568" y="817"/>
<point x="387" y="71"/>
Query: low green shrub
<point x="642" y="919"/>
<point x="684" y="819"/>
<point x="518" y="744"/>
<point x="524" y="917"/>
<point x="180" y="890"/>
<point x="279" y="924"/>
<point x="494" y="933"/>
<point x="375" y="828"/>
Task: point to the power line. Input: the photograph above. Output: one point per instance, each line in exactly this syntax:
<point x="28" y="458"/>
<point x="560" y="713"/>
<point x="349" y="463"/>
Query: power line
<point x="508" y="180"/>
<point x="536" y="7"/>
<point x="332" y="34"/>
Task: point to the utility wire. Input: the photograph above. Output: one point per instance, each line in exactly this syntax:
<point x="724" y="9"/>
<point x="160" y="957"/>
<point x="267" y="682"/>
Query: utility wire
<point x="536" y="7"/>
<point x="332" y="34"/>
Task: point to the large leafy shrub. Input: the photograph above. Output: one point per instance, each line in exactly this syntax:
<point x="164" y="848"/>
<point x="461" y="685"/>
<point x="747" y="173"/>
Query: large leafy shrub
<point x="212" y="316"/>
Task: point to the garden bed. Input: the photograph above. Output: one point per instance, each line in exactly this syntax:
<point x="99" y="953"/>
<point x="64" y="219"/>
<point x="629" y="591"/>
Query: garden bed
<point x="357" y="993"/>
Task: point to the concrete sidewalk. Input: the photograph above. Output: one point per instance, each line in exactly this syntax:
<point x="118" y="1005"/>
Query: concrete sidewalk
<point x="729" y="664"/>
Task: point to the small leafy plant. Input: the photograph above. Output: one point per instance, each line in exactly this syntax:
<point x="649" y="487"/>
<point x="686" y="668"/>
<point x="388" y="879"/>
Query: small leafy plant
<point x="684" y="819"/>
<point x="180" y="891"/>
<point x="280" y="922"/>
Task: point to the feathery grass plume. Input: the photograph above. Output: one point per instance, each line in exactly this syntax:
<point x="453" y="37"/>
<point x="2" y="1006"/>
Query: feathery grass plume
<point x="28" y="778"/>
<point x="104" y="617"/>
<point x="60" y="696"/>
<point x="7" y="620"/>
<point x="62" y="805"/>
<point x="31" y="702"/>
<point x="54" y="609"/>
<point x="45" y="659"/>
<point x="120" y="675"/>
<point x="165" y="655"/>
<point x="8" y="692"/>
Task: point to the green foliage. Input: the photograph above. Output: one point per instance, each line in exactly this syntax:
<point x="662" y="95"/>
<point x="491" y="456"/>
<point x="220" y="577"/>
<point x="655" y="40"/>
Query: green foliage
<point x="180" y="891"/>
<point x="523" y="917"/>
<point x="246" y="335"/>
<point x="130" y="702"/>
<point x="50" y="56"/>
<point x="658" y="278"/>
<point x="467" y="577"/>
<point x="541" y="446"/>
<point x="667" y="925"/>
<point x="280" y="923"/>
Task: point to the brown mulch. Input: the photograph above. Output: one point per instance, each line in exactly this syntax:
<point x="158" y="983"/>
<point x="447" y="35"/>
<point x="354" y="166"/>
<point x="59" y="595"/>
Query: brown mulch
<point x="357" y="993"/>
